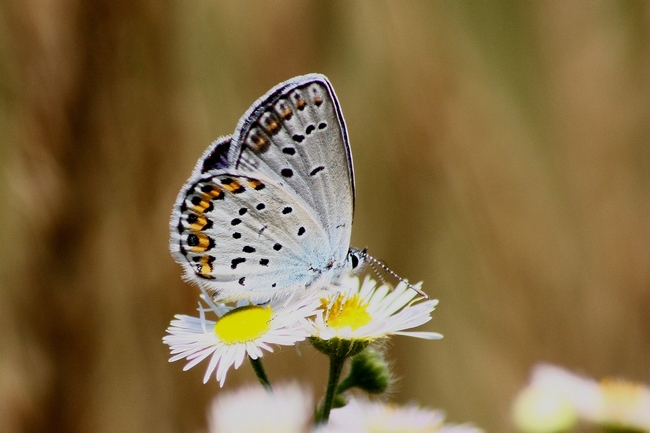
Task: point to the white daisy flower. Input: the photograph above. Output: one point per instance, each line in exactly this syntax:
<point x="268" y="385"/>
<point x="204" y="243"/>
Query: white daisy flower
<point x="363" y="416"/>
<point x="369" y="312"/>
<point x="288" y="409"/>
<point x="238" y="331"/>
<point x="557" y="397"/>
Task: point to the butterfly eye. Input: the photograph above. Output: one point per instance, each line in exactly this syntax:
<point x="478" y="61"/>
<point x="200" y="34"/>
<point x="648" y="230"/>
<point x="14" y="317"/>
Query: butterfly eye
<point x="356" y="258"/>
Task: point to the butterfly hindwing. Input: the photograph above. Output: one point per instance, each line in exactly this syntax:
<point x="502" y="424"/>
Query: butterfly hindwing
<point x="240" y="234"/>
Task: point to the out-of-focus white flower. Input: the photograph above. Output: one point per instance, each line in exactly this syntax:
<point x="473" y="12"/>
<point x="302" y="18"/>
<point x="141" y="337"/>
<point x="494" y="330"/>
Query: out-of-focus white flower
<point x="621" y="405"/>
<point x="238" y="331"/>
<point x="369" y="312"/>
<point x="363" y="416"/>
<point x="288" y="409"/>
<point x="543" y="409"/>
<point x="556" y="399"/>
<point x="581" y="392"/>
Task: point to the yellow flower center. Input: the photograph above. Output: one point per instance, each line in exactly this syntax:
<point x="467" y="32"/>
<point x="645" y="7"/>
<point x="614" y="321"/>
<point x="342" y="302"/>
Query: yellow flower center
<point x="243" y="324"/>
<point x="347" y="311"/>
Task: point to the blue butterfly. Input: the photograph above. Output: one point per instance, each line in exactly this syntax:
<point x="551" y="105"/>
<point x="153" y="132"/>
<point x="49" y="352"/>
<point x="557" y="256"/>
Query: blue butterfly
<point x="268" y="210"/>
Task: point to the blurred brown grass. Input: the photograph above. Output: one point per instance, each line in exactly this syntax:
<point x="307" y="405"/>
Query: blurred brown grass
<point x="502" y="156"/>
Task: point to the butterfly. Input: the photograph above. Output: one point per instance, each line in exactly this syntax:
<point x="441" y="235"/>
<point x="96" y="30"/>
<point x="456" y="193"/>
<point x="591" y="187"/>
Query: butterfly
<point x="268" y="210"/>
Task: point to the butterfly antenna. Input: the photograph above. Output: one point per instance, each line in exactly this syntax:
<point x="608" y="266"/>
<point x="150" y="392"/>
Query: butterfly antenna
<point x="374" y="262"/>
<point x="379" y="275"/>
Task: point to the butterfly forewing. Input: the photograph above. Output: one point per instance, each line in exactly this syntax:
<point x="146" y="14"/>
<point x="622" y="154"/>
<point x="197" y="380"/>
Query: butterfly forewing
<point x="297" y="136"/>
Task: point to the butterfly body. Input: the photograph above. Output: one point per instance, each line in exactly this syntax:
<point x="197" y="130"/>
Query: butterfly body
<point x="269" y="209"/>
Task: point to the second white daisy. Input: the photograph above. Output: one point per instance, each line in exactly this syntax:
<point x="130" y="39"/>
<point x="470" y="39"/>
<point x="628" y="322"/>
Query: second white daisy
<point x="369" y="312"/>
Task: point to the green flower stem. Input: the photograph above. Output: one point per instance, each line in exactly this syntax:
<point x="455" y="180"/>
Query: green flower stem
<point x="338" y="351"/>
<point x="336" y="366"/>
<point x="260" y="373"/>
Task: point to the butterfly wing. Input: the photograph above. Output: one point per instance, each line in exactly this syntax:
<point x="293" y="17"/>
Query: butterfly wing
<point x="244" y="236"/>
<point x="296" y="135"/>
<point x="269" y="210"/>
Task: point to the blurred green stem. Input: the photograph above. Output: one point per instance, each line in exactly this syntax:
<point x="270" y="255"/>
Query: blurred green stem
<point x="336" y="366"/>
<point x="260" y="373"/>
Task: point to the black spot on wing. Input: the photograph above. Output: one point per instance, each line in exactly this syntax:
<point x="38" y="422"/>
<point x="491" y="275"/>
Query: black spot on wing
<point x="237" y="261"/>
<point x="316" y="170"/>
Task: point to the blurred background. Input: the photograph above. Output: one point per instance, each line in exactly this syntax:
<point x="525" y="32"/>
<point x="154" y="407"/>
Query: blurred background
<point x="502" y="155"/>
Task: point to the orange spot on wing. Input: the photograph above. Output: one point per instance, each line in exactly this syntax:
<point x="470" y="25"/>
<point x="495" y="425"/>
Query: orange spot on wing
<point x="206" y="268"/>
<point x="258" y="142"/>
<point x="215" y="193"/>
<point x="286" y="113"/>
<point x="203" y="245"/>
<point x="271" y="124"/>
<point x="202" y="206"/>
<point x="234" y="186"/>
<point x="199" y="224"/>
<point x="255" y="184"/>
